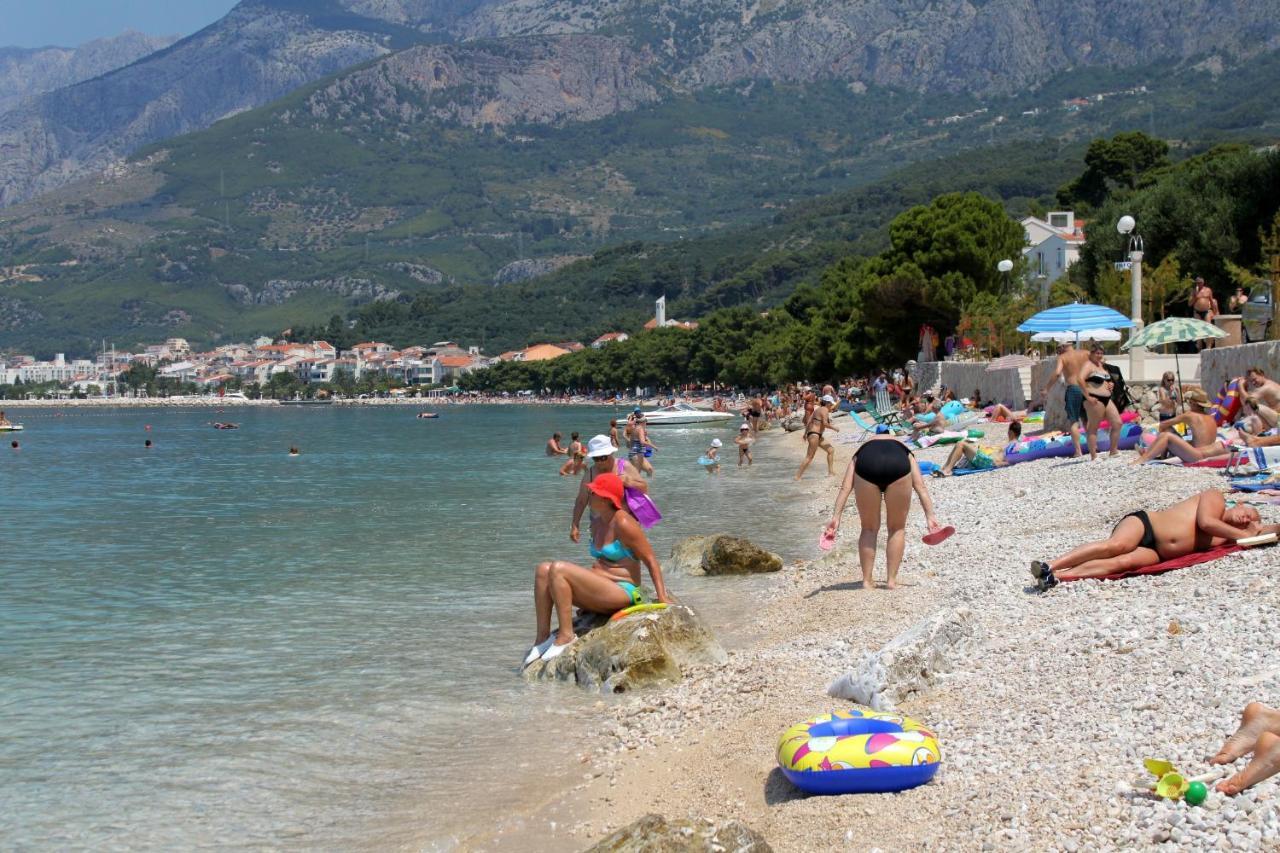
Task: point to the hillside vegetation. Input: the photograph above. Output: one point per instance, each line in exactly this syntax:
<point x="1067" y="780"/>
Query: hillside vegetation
<point x="323" y="203"/>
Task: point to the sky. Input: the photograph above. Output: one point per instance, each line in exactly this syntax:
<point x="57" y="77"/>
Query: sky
<point x="67" y="23"/>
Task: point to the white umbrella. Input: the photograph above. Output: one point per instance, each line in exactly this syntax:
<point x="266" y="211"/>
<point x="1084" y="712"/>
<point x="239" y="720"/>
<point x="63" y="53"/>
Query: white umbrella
<point x="1072" y="337"/>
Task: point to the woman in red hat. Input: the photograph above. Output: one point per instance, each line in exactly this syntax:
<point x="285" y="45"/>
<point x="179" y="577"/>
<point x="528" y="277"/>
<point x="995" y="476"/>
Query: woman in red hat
<point x="611" y="584"/>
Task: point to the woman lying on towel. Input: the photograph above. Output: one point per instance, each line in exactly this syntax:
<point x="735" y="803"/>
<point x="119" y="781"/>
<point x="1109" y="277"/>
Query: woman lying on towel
<point x="1200" y="523"/>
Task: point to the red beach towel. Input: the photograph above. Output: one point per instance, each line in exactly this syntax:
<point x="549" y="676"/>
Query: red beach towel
<point x="1194" y="559"/>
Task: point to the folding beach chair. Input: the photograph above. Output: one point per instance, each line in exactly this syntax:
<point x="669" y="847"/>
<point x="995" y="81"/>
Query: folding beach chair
<point x="887" y="414"/>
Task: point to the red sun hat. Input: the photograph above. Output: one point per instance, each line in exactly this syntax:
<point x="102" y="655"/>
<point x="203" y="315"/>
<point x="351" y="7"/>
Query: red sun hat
<point x="609" y="487"/>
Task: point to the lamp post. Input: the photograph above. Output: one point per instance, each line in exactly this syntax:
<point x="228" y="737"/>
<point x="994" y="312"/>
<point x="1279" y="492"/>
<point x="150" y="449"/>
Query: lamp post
<point x="1137" y="355"/>
<point x="1005" y="266"/>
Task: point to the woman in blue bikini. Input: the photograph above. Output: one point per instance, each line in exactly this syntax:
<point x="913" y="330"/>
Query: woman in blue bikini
<point x="611" y="584"/>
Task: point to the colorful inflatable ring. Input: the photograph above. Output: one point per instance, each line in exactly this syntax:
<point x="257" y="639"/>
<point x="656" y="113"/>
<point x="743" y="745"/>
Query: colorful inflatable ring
<point x="858" y="751"/>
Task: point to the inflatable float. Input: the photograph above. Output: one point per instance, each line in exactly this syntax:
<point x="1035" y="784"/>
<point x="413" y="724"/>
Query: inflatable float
<point x="707" y="461"/>
<point x="858" y="751"/>
<point x="949" y="437"/>
<point x="1042" y="448"/>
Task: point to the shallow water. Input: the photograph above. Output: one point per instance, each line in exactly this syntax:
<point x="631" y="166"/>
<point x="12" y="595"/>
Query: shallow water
<point x="210" y="642"/>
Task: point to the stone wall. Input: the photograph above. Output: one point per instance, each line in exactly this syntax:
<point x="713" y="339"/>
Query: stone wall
<point x="1003" y="386"/>
<point x="1219" y="364"/>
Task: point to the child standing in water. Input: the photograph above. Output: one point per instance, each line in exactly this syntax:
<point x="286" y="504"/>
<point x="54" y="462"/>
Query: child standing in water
<point x="744" y="441"/>
<point x="711" y="459"/>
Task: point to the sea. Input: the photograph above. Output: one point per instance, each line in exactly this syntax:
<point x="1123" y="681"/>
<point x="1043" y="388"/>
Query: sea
<point x="210" y="642"/>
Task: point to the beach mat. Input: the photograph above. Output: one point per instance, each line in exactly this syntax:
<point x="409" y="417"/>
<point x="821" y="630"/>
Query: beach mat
<point x="960" y="472"/>
<point x="1168" y="565"/>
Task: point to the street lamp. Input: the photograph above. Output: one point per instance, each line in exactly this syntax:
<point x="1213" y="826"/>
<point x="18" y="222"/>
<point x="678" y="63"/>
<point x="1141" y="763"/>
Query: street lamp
<point x="1005" y="267"/>
<point x="1125" y="226"/>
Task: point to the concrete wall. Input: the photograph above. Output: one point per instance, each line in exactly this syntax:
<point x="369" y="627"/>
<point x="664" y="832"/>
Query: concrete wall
<point x="1222" y="363"/>
<point x="1004" y="386"/>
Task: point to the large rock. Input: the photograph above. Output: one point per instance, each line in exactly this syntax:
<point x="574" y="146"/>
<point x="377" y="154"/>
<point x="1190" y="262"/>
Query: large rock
<point x="911" y="663"/>
<point x="641" y="650"/>
<point x="722" y="554"/>
<point x="655" y="834"/>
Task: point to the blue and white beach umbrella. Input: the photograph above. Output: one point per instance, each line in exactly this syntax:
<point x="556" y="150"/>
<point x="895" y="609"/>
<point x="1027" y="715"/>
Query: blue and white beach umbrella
<point x="1076" y="317"/>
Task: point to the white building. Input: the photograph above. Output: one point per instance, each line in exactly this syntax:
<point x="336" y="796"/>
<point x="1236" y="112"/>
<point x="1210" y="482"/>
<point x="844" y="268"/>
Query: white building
<point x="1053" y="244"/>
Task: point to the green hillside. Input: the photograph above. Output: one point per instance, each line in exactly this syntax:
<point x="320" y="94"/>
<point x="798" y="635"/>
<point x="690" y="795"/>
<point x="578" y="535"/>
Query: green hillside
<point x="702" y="197"/>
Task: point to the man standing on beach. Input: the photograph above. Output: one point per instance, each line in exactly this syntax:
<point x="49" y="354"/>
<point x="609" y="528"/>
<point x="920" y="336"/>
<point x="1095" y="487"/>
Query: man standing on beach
<point x="1071" y="367"/>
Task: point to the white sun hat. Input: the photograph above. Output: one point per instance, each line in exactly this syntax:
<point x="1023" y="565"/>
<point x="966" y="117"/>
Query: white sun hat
<point x="600" y="445"/>
<point x="715" y="442"/>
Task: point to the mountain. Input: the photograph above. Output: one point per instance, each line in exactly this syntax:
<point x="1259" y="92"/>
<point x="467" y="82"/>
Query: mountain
<point x="559" y="131"/>
<point x="264" y="48"/>
<point x="27" y="72"/>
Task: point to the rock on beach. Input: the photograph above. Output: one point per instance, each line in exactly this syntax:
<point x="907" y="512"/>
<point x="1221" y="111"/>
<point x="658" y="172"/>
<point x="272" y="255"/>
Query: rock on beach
<point x="655" y="834"/>
<point x="640" y="650"/>
<point x="722" y="554"/>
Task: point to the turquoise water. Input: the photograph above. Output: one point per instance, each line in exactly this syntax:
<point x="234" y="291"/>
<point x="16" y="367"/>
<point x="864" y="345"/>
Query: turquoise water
<point x="210" y="642"/>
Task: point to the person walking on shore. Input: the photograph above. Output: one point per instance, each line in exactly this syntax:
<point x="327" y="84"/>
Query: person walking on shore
<point x="744" y="442"/>
<point x="883" y="470"/>
<point x="1070" y="369"/>
<point x="814" y="428"/>
<point x="612" y="583"/>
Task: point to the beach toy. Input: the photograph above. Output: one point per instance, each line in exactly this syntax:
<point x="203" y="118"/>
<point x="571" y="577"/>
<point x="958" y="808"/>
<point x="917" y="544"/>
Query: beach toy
<point x="1061" y="446"/>
<point x="641" y="505"/>
<point x="648" y="452"/>
<point x="827" y="540"/>
<point x="708" y="461"/>
<point x="1125" y="418"/>
<point x="1172" y="785"/>
<point x="637" y="608"/>
<point x="858" y="751"/>
<point x="938" y="536"/>
<point x="927" y="467"/>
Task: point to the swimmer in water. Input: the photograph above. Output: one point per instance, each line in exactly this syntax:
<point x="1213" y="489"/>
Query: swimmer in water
<point x="147" y="443"/>
<point x="293" y="451"/>
<point x="14" y="445"/>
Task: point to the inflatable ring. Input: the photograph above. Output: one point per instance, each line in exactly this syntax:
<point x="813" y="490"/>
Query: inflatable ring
<point x="858" y="751"/>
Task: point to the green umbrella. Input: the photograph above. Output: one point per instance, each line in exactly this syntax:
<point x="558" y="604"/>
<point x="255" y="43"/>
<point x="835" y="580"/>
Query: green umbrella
<point x="1174" y="330"/>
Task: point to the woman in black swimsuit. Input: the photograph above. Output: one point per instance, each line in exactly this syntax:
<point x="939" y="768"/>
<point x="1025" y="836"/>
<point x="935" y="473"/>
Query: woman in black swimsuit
<point x="814" y="427"/>
<point x="882" y="469"/>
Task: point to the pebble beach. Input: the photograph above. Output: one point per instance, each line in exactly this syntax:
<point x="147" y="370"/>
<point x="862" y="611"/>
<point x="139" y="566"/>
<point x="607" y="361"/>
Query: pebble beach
<point x="1044" y="725"/>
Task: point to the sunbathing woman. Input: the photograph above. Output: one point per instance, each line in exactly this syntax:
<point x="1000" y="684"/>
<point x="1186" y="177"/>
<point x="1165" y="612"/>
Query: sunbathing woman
<point x="611" y="584"/>
<point x="1199" y="523"/>
<point x="883" y="469"/>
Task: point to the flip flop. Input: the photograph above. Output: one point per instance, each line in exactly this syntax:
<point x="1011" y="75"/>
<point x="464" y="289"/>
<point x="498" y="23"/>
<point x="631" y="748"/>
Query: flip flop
<point x="826" y="541"/>
<point x="937" y="536"/>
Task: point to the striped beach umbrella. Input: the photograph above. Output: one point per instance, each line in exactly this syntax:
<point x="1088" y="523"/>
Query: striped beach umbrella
<point x="1076" y="317"/>
<point x="1014" y="361"/>
<point x="1174" y="330"/>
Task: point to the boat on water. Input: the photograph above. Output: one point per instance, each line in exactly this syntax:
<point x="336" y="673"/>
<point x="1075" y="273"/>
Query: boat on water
<point x="10" y="427"/>
<point x="306" y="402"/>
<point x="684" y="414"/>
<point x="428" y="415"/>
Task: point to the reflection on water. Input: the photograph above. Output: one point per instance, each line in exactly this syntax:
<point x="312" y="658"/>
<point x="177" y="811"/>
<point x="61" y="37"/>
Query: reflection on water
<point x="210" y="642"/>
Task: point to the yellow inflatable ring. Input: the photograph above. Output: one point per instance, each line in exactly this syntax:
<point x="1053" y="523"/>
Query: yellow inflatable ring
<point x="858" y="751"/>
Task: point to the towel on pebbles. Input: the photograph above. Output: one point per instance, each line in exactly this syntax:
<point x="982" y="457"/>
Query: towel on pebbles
<point x="912" y="662"/>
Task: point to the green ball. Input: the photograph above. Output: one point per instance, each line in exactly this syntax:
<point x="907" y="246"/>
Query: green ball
<point x="1196" y="792"/>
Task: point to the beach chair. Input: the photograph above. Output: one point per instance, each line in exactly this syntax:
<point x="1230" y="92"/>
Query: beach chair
<point x="886" y="413"/>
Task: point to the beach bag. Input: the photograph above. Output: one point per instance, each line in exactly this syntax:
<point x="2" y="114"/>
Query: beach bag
<point x="640" y="504"/>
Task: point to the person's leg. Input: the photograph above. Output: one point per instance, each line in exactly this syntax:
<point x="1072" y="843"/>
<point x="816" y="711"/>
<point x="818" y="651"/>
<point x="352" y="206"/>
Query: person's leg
<point x="1256" y="719"/>
<point x="1157" y="449"/>
<point x="1095" y="412"/>
<point x="1136" y="559"/>
<point x="570" y="585"/>
<point x="1075" y="440"/>
<point x="897" y="505"/>
<point x="831" y="458"/>
<point x="957" y="453"/>
<point x="1265" y="764"/>
<point x="1123" y="539"/>
<point x="542" y="601"/>
<point x="1113" y="418"/>
<point x="812" y="441"/>
<point x="1187" y="452"/>
<point x="866" y="497"/>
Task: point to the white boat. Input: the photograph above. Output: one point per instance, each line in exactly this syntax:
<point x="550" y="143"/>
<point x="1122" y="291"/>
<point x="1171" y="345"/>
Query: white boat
<point x="683" y="413"/>
<point x="10" y="427"/>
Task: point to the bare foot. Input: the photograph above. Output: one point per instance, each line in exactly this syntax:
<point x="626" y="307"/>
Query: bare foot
<point x="891" y="585"/>
<point x="1265" y="764"/>
<point x="1256" y="719"/>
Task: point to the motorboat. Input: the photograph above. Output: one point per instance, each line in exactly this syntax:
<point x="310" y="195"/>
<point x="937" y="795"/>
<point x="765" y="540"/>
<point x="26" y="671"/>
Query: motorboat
<point x="684" y="414"/>
<point x="10" y="427"/>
